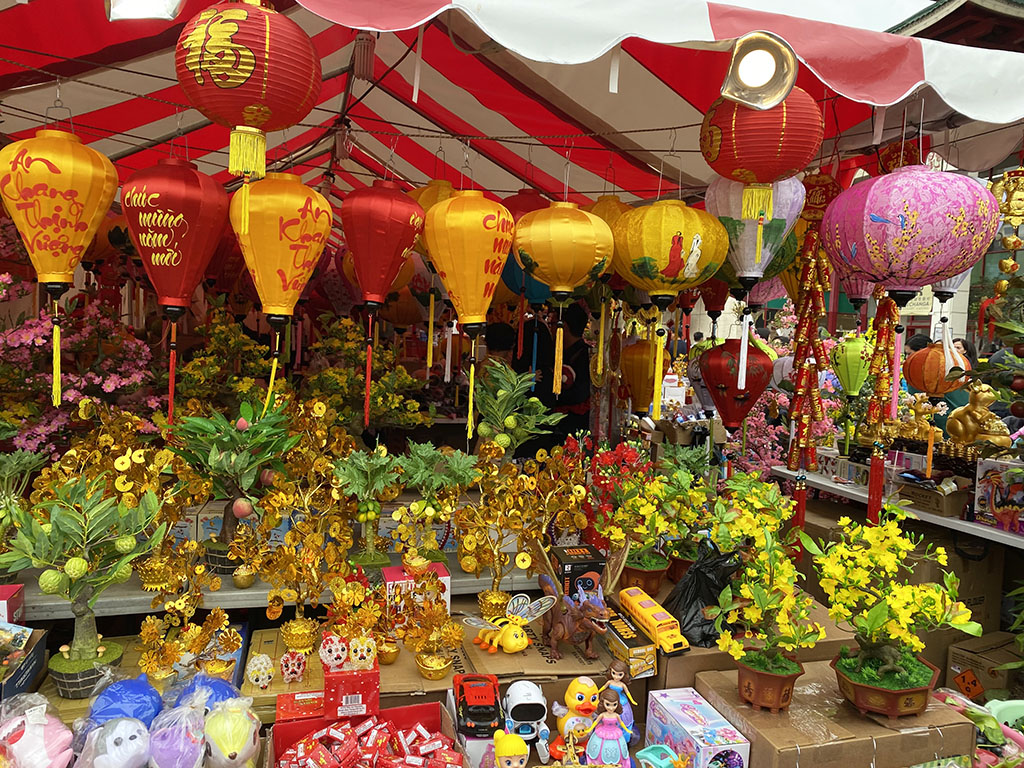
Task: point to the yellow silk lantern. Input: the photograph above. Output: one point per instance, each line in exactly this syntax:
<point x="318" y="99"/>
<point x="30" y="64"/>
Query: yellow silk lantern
<point x="428" y="196"/>
<point x="282" y="227"/>
<point x="56" y="191"/>
<point x="610" y="208"/>
<point x="638" y="363"/>
<point x="669" y="247"/>
<point x="565" y="248"/>
<point x="468" y="238"/>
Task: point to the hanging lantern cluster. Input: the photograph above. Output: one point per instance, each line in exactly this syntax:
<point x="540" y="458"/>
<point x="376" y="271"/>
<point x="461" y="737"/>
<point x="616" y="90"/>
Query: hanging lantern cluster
<point x="250" y="69"/>
<point x="282" y="227"/>
<point x="176" y="218"/>
<point x="57" y="192"/>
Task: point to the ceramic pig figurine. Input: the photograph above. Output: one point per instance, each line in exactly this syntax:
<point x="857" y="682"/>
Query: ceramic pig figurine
<point x="333" y="652"/>
<point x="260" y="670"/>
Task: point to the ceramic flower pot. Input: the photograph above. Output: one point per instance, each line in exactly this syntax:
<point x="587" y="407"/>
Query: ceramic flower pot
<point x="882" y="701"/>
<point x="766" y="690"/>
<point x="678" y="567"/>
<point x="648" y="579"/>
<point x="79" y="684"/>
<point x="220" y="562"/>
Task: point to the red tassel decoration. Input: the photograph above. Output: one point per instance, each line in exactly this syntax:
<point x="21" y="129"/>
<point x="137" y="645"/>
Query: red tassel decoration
<point x="172" y="367"/>
<point x="800" y="495"/>
<point x="369" y="369"/>
<point x="876" y="483"/>
<point x="522" y="320"/>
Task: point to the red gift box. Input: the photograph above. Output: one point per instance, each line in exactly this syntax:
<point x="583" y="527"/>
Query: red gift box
<point x="299" y="706"/>
<point x="354" y="693"/>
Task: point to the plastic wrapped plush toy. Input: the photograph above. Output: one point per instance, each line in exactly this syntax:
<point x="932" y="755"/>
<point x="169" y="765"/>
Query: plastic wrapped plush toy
<point x="232" y="735"/>
<point x="132" y="697"/>
<point x="32" y="737"/>
<point x="119" y="743"/>
<point x="211" y="691"/>
<point x="176" y="739"/>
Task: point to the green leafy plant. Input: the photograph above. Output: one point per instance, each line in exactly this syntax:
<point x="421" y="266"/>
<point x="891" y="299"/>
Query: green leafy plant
<point x="85" y="541"/>
<point x="370" y="478"/>
<point x="509" y="415"/>
<point x="232" y="455"/>
<point x="16" y="469"/>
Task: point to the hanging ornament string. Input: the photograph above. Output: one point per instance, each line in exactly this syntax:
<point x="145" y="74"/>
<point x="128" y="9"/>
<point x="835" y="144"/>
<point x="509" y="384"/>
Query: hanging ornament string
<point x="602" y="321"/>
<point x="533" y="358"/>
<point x="472" y="384"/>
<point x="522" y="315"/>
<point x="741" y="379"/>
<point x="897" y="362"/>
<point x="430" y="329"/>
<point x="172" y="366"/>
<point x="449" y="332"/>
<point x="273" y="371"/>
<point x="55" y="394"/>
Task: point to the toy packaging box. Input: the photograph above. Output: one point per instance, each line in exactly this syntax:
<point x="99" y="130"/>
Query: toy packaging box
<point x="683" y="721"/>
<point x="396" y="578"/>
<point x="578" y="566"/>
<point x="628" y="643"/>
<point x="999" y="495"/>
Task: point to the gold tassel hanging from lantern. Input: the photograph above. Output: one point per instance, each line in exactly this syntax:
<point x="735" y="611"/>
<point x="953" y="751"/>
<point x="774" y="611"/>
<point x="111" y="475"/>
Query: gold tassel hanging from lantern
<point x="659" y="370"/>
<point x="472" y="386"/>
<point x="55" y="393"/>
<point x="430" y="333"/>
<point x="600" y="335"/>
<point x="247" y="152"/>
<point x="556" y="382"/>
<point x="757" y="205"/>
<point x="273" y="371"/>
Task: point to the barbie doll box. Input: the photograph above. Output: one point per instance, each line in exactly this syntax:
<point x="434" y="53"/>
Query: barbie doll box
<point x="683" y="721"/>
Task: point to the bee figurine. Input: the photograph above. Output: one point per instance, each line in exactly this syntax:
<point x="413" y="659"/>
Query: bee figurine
<point x="508" y="632"/>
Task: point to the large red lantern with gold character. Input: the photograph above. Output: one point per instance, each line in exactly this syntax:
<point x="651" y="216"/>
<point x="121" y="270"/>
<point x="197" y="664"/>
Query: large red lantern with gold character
<point x="719" y="368"/>
<point x="250" y="69"/>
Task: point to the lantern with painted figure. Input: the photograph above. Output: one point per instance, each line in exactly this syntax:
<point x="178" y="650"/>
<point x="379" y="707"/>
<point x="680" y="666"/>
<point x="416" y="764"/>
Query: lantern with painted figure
<point x="56" y="191"/>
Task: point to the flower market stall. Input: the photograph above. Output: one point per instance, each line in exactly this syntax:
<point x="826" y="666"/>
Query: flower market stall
<point x="481" y="385"/>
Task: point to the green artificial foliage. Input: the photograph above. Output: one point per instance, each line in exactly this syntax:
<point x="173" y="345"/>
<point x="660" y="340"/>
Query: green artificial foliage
<point x="509" y="415"/>
<point x="366" y="477"/>
<point x="84" y="541"/>
<point x="915" y="673"/>
<point x="231" y="454"/>
<point x="16" y="469"/>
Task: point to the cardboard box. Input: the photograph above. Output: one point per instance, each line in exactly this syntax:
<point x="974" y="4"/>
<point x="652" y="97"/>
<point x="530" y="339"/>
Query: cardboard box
<point x="578" y="566"/>
<point x="396" y="578"/>
<point x="12" y="603"/>
<point x="999" y="494"/>
<point x="823" y="730"/>
<point x="352" y="693"/>
<point x="681" y="671"/>
<point x="23" y="678"/>
<point x="629" y="643"/>
<point x="536" y="663"/>
<point x="928" y="500"/>
<point x="973" y="667"/>
<point x="683" y="721"/>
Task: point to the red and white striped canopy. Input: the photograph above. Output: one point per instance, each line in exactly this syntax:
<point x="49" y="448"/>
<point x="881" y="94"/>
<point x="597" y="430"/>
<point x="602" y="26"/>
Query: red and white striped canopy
<point x="576" y="96"/>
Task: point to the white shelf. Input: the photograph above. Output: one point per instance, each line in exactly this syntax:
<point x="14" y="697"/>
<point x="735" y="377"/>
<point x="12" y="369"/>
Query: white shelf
<point x="860" y="494"/>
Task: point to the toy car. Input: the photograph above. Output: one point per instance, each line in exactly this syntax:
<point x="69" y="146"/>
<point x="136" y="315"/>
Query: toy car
<point x="477" y="705"/>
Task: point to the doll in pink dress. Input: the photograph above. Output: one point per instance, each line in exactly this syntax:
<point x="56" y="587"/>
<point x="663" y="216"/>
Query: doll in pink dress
<point x="607" y="744"/>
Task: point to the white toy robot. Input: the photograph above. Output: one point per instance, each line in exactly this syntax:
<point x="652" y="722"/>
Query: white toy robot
<point x="526" y="714"/>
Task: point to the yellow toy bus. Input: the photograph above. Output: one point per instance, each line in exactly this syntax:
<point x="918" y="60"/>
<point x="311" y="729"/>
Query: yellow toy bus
<point x="655" y="620"/>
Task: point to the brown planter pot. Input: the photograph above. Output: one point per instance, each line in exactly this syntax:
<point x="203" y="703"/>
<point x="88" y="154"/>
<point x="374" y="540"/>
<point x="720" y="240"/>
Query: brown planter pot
<point x="78" y="685"/>
<point x="221" y="563"/>
<point x="882" y="701"/>
<point x="648" y="580"/>
<point x="678" y="567"/>
<point x="10" y="577"/>
<point x="766" y="690"/>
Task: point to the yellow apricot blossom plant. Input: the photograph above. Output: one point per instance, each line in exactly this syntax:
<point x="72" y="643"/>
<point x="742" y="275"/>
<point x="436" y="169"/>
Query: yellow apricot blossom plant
<point x="865" y="575"/>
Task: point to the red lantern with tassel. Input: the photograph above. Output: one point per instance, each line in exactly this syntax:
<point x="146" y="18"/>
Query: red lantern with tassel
<point x="176" y="216"/>
<point x="714" y="293"/>
<point x="719" y="368"/>
<point x="381" y="225"/>
<point x="250" y="69"/>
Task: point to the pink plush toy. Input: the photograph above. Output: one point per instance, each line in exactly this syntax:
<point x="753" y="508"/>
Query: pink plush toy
<point x="38" y="741"/>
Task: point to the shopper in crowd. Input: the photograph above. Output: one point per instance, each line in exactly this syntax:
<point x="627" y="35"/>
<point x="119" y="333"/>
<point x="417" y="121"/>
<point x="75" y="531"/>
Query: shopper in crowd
<point x="966" y="348"/>
<point x="500" y="339"/>
<point x="574" y="401"/>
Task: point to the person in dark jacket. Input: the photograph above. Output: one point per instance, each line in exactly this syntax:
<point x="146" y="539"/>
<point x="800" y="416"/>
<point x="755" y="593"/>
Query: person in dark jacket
<point x="574" y="401"/>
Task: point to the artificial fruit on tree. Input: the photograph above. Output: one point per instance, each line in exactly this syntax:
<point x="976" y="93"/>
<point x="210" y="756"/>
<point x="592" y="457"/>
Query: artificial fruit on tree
<point x="368" y="478"/>
<point x="80" y="538"/>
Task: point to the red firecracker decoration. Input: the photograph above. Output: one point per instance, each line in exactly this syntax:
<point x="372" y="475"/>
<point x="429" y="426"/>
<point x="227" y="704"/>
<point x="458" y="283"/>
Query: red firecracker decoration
<point x="381" y="225"/>
<point x="250" y="69"/>
<point x="719" y="367"/>
<point x="176" y="216"/>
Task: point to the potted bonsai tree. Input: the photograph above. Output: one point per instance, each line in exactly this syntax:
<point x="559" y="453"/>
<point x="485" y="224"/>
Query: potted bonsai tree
<point x="428" y="630"/>
<point x="762" y="617"/>
<point x="641" y="521"/>
<point x="16" y="468"/>
<point x="232" y="454"/>
<point x="865" y="577"/>
<point x="509" y="414"/>
<point x="368" y="478"/>
<point x="85" y="541"/>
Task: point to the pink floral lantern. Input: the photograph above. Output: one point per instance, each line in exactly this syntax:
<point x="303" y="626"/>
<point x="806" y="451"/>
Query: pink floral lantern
<point x="857" y="289"/>
<point x="910" y="228"/>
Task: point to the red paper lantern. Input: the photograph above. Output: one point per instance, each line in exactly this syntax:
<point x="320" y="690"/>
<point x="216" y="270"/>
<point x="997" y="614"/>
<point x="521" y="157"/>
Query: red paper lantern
<point x="925" y="370"/>
<point x="227" y="263"/>
<point x="176" y="218"/>
<point x="719" y="369"/>
<point x="524" y="201"/>
<point x="715" y="294"/>
<point x="381" y="224"/>
<point x="250" y="69"/>
<point x="762" y="146"/>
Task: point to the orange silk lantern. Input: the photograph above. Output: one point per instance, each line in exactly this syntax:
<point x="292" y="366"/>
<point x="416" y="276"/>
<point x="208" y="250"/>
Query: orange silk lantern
<point x="926" y="369"/>
<point x="403" y="310"/>
<point x="282" y="227"/>
<point x="56" y="191"/>
<point x="468" y="238"/>
<point x="250" y="69"/>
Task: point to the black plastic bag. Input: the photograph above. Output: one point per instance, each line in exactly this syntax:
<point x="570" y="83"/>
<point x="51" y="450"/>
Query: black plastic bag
<point x="698" y="589"/>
